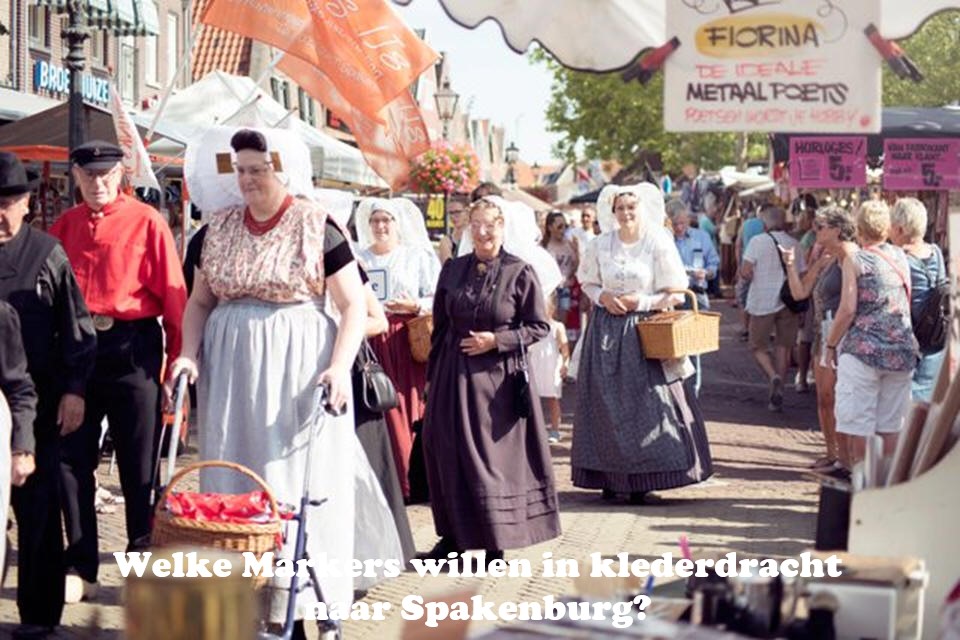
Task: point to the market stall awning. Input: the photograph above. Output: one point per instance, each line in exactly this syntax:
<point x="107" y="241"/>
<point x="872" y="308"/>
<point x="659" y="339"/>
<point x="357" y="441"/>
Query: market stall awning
<point x="16" y="104"/>
<point x="118" y="17"/>
<point x="621" y="29"/>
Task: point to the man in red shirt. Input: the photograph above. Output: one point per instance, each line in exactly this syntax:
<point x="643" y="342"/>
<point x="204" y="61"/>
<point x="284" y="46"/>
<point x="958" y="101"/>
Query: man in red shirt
<point x="126" y="264"/>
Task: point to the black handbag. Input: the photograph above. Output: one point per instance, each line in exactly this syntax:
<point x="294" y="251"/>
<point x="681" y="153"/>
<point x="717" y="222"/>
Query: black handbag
<point x="524" y="403"/>
<point x="377" y="392"/>
<point x="786" y="296"/>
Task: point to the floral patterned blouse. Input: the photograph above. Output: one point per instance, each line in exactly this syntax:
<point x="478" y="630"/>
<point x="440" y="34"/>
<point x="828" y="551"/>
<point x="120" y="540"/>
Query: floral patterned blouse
<point x="881" y="335"/>
<point x="285" y="264"/>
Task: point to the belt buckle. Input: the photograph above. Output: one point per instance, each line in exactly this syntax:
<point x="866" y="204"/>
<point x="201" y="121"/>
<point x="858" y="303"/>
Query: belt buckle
<point x="102" y="323"/>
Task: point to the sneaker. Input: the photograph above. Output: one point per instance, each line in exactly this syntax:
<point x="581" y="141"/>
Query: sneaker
<point x="776" y="394"/>
<point x="76" y="589"/>
<point x="802" y="386"/>
<point x="553" y="436"/>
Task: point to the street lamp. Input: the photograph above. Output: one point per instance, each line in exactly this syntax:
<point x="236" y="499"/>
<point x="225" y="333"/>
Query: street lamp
<point x="75" y="33"/>
<point x="446" y="99"/>
<point x="513" y="154"/>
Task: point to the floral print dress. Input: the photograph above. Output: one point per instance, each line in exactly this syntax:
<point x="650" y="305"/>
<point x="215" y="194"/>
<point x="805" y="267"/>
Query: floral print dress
<point x="881" y="335"/>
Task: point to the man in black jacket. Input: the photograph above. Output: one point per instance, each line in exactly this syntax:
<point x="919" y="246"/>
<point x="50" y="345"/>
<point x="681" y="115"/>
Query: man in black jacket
<point x="20" y="395"/>
<point x="60" y="344"/>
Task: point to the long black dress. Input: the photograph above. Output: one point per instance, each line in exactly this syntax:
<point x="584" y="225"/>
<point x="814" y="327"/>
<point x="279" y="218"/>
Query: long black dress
<point x="489" y="468"/>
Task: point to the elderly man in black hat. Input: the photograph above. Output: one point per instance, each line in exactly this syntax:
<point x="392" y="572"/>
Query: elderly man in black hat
<point x="60" y="343"/>
<point x="127" y="266"/>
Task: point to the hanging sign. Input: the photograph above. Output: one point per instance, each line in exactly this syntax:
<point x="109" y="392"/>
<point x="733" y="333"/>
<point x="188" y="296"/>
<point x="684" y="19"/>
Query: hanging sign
<point x="828" y="162"/>
<point x="918" y="164"/>
<point x="772" y="65"/>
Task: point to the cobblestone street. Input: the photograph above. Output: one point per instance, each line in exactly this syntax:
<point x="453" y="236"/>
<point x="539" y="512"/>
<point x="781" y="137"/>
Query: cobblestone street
<point x="758" y="502"/>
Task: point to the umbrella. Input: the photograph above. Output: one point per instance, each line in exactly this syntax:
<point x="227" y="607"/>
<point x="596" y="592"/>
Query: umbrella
<point x="621" y="29"/>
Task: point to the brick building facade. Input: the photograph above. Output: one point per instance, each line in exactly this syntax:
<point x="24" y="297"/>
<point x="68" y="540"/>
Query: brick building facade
<point x="32" y="53"/>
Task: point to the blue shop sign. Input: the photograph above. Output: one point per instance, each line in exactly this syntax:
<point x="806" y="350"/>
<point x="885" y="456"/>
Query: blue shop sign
<point x="56" y="79"/>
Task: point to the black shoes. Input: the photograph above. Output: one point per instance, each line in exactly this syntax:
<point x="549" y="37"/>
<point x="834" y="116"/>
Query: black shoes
<point x="609" y="495"/>
<point x="441" y="550"/>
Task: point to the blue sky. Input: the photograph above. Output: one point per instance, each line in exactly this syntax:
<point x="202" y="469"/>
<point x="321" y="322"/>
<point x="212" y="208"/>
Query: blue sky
<point x="502" y="85"/>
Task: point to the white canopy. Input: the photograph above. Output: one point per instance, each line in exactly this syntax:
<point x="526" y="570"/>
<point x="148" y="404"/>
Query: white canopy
<point x="621" y="29"/>
<point x="223" y="99"/>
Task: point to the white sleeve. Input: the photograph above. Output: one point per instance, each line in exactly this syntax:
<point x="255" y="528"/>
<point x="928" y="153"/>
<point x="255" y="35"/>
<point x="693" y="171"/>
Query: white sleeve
<point x="429" y="270"/>
<point x="668" y="273"/>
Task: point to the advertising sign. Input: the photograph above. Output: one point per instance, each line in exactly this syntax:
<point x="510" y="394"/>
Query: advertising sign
<point x="772" y="65"/>
<point x="828" y="162"/>
<point x="921" y="164"/>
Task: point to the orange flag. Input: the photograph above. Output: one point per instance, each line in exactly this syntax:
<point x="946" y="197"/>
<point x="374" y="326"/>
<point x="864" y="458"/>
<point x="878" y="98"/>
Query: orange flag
<point x="388" y="142"/>
<point x="366" y="51"/>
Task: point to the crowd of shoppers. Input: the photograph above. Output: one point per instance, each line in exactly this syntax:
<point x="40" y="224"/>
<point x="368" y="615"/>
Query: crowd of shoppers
<point x="284" y="297"/>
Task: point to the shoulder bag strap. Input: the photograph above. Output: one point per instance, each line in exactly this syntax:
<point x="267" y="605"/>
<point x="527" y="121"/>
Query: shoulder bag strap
<point x="776" y="246"/>
<point x="903" y="279"/>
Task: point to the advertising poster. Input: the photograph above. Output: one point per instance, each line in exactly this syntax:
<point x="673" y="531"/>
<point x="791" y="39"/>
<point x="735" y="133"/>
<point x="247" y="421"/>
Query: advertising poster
<point x="772" y="65"/>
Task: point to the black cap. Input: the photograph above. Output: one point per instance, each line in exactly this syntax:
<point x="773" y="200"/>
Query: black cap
<point x="96" y="154"/>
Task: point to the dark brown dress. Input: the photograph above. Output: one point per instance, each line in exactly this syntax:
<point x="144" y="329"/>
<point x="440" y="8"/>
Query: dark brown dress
<point x="489" y="469"/>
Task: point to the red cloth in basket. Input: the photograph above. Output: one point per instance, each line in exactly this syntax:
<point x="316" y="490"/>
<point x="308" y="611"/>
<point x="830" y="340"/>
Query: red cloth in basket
<point x="253" y="507"/>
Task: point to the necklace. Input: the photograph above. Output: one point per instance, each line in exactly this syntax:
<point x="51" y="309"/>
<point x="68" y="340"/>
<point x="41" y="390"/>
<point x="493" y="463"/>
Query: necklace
<point x="260" y="227"/>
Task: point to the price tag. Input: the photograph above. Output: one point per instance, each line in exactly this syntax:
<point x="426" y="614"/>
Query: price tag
<point x="828" y="162"/>
<point x="921" y="164"/>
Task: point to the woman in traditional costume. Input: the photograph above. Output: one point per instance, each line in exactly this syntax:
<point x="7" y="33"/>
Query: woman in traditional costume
<point x="638" y="425"/>
<point x="487" y="458"/>
<point x="402" y="266"/>
<point x="257" y="322"/>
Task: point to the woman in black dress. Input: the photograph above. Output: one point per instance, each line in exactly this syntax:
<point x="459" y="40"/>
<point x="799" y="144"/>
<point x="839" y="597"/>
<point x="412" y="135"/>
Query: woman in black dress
<point x="487" y="458"/>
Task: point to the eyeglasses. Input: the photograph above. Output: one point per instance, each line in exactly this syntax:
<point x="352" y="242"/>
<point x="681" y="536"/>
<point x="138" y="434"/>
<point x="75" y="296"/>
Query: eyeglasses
<point x="485" y="226"/>
<point x="255" y="171"/>
<point x="381" y="220"/>
<point x="103" y="174"/>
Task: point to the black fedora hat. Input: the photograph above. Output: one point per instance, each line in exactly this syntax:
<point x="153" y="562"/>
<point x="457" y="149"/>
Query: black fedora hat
<point x="15" y="180"/>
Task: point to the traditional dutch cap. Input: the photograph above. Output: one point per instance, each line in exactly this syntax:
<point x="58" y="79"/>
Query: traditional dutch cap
<point x="97" y="154"/>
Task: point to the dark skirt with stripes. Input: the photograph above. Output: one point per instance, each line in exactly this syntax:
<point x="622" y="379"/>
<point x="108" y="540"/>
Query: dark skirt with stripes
<point x="633" y="430"/>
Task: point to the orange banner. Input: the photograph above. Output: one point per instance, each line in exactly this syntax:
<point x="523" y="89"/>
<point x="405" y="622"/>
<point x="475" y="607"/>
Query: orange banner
<point x="388" y="142"/>
<point x="368" y="53"/>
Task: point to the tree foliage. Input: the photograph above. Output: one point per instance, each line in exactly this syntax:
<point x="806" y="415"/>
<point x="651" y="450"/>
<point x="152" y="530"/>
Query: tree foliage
<point x="600" y="116"/>
<point x="935" y="49"/>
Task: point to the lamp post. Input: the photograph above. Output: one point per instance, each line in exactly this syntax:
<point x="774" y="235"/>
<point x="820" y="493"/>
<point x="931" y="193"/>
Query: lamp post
<point x="513" y="154"/>
<point x="446" y="99"/>
<point x="75" y="33"/>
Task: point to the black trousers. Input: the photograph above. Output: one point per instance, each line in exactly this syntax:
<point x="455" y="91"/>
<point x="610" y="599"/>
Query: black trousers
<point x="36" y="506"/>
<point x="124" y="387"/>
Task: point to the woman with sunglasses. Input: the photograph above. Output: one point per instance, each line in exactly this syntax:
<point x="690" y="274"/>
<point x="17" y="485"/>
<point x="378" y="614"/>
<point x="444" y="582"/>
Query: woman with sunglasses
<point x="565" y="253"/>
<point x="835" y="232"/>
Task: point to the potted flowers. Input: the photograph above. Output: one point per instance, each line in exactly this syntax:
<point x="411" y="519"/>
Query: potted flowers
<point x="445" y="168"/>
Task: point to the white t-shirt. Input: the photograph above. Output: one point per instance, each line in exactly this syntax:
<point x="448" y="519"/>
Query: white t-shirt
<point x="768" y="277"/>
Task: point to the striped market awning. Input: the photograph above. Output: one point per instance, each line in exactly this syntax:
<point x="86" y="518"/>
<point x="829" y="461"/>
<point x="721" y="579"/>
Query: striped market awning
<point x="117" y="17"/>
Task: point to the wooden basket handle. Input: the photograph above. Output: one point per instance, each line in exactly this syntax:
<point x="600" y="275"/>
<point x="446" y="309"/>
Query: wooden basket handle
<point x="687" y="292"/>
<point x="196" y="466"/>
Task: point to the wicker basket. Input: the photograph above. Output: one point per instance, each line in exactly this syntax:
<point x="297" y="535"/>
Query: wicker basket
<point x="419" y="331"/>
<point x="674" y="334"/>
<point x="258" y="538"/>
